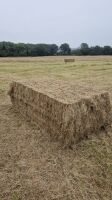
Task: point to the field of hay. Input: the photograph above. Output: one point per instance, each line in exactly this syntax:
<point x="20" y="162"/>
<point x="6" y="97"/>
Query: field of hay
<point x="32" y="167"/>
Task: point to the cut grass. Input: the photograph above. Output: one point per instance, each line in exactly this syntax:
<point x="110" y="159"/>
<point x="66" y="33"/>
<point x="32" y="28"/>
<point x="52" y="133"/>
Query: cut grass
<point x="81" y="69"/>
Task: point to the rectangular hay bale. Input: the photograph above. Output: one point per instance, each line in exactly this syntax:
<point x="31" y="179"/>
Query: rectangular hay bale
<point x="68" y="119"/>
<point x="67" y="60"/>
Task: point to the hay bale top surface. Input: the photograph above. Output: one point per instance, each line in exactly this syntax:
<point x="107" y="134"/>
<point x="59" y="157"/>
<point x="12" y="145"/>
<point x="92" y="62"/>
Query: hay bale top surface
<point x="62" y="91"/>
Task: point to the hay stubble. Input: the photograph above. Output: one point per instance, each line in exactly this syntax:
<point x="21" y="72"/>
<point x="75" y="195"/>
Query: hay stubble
<point x="33" y="167"/>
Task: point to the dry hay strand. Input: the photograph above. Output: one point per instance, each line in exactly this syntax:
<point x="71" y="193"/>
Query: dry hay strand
<point x="67" y="119"/>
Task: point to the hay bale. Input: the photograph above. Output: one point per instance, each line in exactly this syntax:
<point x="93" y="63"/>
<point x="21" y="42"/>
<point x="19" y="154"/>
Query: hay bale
<point x="68" y="119"/>
<point x="66" y="60"/>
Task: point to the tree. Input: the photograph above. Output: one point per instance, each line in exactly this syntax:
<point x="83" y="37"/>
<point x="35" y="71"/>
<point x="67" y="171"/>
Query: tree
<point x="21" y="49"/>
<point x="53" y="49"/>
<point x="107" y="50"/>
<point x="65" y="49"/>
<point x="84" y="49"/>
<point x="97" y="50"/>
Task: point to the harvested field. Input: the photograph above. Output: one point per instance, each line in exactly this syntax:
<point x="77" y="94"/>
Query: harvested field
<point x="34" y="167"/>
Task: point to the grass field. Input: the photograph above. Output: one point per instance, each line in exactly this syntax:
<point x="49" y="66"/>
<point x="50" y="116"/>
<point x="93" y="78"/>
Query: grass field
<point x="34" y="168"/>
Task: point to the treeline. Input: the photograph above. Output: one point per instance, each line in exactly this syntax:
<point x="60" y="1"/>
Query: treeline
<point x="21" y="49"/>
<point x="92" y="51"/>
<point x="9" y="49"/>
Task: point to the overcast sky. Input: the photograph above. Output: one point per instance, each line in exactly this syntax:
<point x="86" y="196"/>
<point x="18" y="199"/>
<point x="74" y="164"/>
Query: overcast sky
<point x="56" y="21"/>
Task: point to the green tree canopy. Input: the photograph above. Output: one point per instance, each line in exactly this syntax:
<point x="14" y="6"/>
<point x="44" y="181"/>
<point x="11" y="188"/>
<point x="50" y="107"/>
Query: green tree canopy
<point x="84" y="49"/>
<point x="65" y="49"/>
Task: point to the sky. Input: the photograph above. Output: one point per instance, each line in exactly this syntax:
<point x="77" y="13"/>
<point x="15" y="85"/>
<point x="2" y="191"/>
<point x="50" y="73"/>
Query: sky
<point x="56" y="21"/>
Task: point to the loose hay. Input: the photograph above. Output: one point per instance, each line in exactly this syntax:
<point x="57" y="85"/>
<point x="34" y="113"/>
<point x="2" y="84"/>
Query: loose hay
<point x="64" y="114"/>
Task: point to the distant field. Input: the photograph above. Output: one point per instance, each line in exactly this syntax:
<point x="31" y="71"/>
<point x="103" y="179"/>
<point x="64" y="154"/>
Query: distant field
<point x="96" y="70"/>
<point x="33" y="167"/>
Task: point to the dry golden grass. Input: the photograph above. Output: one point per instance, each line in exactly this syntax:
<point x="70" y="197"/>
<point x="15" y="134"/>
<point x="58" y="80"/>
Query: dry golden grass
<point x="32" y="166"/>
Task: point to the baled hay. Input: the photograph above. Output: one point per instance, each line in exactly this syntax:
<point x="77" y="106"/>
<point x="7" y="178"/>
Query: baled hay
<point x="66" y="60"/>
<point x="69" y="121"/>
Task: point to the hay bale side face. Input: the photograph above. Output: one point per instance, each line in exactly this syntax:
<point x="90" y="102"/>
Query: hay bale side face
<point x="66" y="122"/>
<point x="92" y="115"/>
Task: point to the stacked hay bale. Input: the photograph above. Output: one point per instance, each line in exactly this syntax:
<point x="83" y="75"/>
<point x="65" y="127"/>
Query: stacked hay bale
<point x="64" y="114"/>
